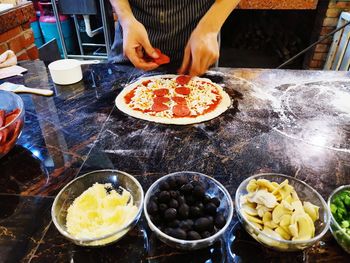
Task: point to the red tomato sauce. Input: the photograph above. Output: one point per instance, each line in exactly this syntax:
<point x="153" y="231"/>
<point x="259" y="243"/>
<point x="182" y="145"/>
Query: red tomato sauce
<point x="128" y="97"/>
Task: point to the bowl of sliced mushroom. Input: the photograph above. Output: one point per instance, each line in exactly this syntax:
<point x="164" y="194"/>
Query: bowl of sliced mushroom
<point x="281" y="212"/>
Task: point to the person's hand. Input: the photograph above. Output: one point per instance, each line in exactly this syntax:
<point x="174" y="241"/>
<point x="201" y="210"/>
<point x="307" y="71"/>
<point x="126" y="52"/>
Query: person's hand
<point x="202" y="51"/>
<point x="135" y="43"/>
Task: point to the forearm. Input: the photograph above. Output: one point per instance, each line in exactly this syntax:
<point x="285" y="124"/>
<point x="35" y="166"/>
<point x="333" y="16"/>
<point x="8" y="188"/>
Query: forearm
<point x="217" y="14"/>
<point x="123" y="11"/>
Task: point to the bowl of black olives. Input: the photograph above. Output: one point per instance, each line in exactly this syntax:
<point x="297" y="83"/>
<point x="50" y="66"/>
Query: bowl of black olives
<point x="188" y="210"/>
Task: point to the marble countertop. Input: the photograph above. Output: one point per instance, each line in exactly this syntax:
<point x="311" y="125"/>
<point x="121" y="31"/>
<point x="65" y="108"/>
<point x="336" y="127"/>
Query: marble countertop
<point x="283" y="121"/>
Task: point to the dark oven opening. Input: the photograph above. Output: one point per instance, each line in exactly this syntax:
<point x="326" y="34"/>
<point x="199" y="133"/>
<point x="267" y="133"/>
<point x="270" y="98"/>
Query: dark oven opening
<point x="265" y="38"/>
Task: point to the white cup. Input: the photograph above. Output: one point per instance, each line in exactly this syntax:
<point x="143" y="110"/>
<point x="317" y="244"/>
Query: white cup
<point x="68" y="71"/>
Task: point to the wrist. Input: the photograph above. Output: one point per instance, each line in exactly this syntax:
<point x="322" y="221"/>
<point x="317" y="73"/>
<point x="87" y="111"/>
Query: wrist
<point x="127" y="21"/>
<point x="208" y="26"/>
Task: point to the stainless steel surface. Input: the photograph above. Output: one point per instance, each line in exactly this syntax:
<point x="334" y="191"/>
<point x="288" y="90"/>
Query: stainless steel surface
<point x="87" y="57"/>
<point x="59" y="28"/>
<point x="78" y="34"/>
<point x="105" y="27"/>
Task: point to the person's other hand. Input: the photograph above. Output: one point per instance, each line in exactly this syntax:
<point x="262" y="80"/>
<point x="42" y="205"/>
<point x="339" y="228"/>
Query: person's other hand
<point x="135" y="43"/>
<point x="202" y="51"/>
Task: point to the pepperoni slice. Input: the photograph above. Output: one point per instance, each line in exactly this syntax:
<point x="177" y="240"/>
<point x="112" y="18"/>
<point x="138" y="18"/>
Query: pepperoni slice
<point x="183" y="79"/>
<point x="183" y="90"/>
<point x="11" y="116"/>
<point x="158" y="107"/>
<point x="179" y="100"/>
<point x="162" y="59"/>
<point x="180" y="110"/>
<point x="2" y="118"/>
<point x="161" y="92"/>
<point x="158" y="100"/>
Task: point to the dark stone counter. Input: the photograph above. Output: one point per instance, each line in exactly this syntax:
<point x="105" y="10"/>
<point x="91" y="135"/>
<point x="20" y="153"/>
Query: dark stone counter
<point x="291" y="122"/>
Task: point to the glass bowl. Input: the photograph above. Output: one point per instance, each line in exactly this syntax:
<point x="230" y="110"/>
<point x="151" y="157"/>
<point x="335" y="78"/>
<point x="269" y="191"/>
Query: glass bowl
<point x="76" y="187"/>
<point x="11" y="105"/>
<point x="339" y="234"/>
<point x="213" y="188"/>
<point x="305" y="193"/>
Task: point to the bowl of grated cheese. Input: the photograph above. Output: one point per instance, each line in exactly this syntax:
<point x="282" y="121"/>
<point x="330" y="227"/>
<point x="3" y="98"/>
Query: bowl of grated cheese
<point x="98" y="208"/>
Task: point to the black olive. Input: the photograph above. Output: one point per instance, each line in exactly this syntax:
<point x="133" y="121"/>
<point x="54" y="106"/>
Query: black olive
<point x="184" y="211"/>
<point x="152" y="207"/>
<point x="164" y="197"/>
<point x="220" y="221"/>
<point x="186" y="189"/>
<point x="215" y="201"/>
<point x="168" y="231"/>
<point x="198" y="192"/>
<point x="206" y="199"/>
<point x="164" y="186"/>
<point x="155" y="219"/>
<point x="175" y="223"/>
<point x="210" y="208"/>
<point x="173" y="194"/>
<point x="170" y="214"/>
<point x="181" y="200"/>
<point x="181" y="180"/>
<point x="190" y="222"/>
<point x="205" y="234"/>
<point x="193" y="235"/>
<point x="173" y="203"/>
<point x="198" y="183"/>
<point x="162" y="207"/>
<point x="179" y="233"/>
<point x="190" y="200"/>
<point x="185" y="225"/>
<point x="172" y="183"/>
<point x="202" y="224"/>
<point x="195" y="211"/>
<point x="154" y="198"/>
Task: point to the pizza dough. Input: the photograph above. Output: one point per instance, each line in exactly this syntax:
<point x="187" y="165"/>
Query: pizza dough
<point x="147" y="97"/>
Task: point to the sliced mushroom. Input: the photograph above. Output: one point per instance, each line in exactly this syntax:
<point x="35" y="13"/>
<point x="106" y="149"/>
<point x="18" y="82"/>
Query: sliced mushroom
<point x="252" y="218"/>
<point x="305" y="226"/>
<point x="263" y="197"/>
<point x="265" y="184"/>
<point x="312" y="210"/>
<point x="298" y="207"/>
<point x="262" y="210"/>
<point x="279" y="212"/>
<point x="248" y="209"/>
<point x="287" y="205"/>
<point x="283" y="233"/>
<point x="285" y="220"/>
<point x="267" y="220"/>
<point x="252" y="186"/>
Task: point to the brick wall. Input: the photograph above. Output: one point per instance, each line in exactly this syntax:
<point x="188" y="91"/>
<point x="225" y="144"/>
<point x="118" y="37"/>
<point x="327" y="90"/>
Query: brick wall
<point x="17" y="35"/>
<point x="329" y="23"/>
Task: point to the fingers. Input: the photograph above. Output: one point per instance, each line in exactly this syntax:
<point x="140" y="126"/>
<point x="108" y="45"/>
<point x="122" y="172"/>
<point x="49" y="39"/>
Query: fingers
<point x="138" y="61"/>
<point x="148" y="48"/>
<point x="186" y="62"/>
<point x="201" y="61"/>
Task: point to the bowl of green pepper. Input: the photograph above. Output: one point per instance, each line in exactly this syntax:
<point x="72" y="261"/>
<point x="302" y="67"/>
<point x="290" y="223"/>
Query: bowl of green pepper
<point x="339" y="206"/>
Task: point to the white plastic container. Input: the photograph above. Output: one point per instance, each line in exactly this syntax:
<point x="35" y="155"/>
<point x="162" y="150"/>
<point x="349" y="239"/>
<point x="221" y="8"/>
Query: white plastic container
<point x="68" y="71"/>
